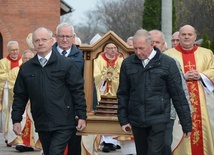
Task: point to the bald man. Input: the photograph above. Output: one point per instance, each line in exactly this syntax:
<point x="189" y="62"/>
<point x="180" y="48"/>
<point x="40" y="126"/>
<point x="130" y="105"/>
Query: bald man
<point x="198" y="68"/>
<point x="175" y="39"/>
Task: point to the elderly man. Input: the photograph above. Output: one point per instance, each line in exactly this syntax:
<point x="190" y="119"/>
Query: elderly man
<point x="54" y="86"/>
<point x="65" y="46"/>
<point x="175" y="39"/>
<point x="29" y="140"/>
<point x="159" y="42"/>
<point x="12" y="60"/>
<point x="198" y="67"/>
<point x="148" y="81"/>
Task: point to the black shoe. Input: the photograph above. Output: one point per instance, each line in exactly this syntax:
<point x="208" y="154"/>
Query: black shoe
<point x="111" y="146"/>
<point x="22" y="148"/>
<point x="8" y="145"/>
<point x="106" y="148"/>
<point x="117" y="147"/>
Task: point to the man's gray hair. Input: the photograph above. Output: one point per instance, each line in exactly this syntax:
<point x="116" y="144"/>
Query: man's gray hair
<point x="11" y="43"/>
<point x="40" y="28"/>
<point x="160" y="32"/>
<point x="27" y="51"/>
<point x="143" y="33"/>
<point x="64" y="25"/>
<point x="129" y="38"/>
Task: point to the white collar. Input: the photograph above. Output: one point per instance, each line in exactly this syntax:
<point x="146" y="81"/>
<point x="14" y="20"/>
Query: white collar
<point x="47" y="56"/>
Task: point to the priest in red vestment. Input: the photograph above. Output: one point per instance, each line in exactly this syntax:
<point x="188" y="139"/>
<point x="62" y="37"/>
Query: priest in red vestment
<point x="6" y="64"/>
<point x="198" y="67"/>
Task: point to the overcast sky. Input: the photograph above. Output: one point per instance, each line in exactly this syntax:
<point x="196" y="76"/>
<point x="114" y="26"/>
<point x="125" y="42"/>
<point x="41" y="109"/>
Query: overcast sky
<point x="80" y="7"/>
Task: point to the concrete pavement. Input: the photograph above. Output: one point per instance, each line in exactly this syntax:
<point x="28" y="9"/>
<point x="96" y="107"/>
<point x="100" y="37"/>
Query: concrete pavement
<point x="4" y="150"/>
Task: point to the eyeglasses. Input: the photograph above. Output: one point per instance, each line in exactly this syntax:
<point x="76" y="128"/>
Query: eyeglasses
<point x="65" y="36"/>
<point x="14" y="50"/>
<point x="44" y="40"/>
<point x="111" y="48"/>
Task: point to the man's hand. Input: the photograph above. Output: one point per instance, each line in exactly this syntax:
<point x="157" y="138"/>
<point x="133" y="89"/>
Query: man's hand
<point x="127" y="128"/>
<point x="17" y="129"/>
<point x="186" y="135"/>
<point x="81" y="124"/>
<point x="192" y="75"/>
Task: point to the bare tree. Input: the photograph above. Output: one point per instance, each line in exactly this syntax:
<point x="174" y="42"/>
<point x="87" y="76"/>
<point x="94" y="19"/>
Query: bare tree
<point x="123" y="17"/>
<point x="198" y="13"/>
<point x="66" y="18"/>
<point x="90" y="27"/>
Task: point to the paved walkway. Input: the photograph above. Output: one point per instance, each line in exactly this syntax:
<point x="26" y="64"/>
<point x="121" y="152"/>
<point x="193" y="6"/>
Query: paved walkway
<point x="4" y="150"/>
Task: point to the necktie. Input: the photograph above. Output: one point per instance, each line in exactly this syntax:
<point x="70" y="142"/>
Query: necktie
<point x="145" y="62"/>
<point x="43" y="61"/>
<point x="64" y="53"/>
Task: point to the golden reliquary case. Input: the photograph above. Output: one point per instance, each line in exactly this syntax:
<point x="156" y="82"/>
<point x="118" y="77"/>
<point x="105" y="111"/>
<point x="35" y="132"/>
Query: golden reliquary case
<point x="104" y="119"/>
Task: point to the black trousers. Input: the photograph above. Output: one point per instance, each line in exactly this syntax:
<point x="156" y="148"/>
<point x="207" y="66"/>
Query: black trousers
<point x="54" y="142"/>
<point x="168" y="138"/>
<point x="149" y="140"/>
<point x="74" y="145"/>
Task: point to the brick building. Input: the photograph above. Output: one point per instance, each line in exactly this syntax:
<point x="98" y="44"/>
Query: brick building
<point x="18" y="18"/>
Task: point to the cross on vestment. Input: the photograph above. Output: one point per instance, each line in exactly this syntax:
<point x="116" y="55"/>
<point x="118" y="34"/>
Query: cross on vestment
<point x="189" y="66"/>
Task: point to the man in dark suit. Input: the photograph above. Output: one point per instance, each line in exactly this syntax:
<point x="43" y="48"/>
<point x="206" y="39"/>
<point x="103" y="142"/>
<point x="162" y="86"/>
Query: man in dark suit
<point x="65" y="39"/>
<point x="54" y="86"/>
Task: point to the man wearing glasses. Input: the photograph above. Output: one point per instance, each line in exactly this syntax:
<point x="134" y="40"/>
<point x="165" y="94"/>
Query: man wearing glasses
<point x="12" y="60"/>
<point x="106" y="76"/>
<point x="65" y="38"/>
<point x="54" y="86"/>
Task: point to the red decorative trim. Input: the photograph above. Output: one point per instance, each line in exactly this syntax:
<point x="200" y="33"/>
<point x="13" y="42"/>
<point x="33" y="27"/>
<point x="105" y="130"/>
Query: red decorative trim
<point x="14" y="63"/>
<point x="197" y="134"/>
<point x="180" y="49"/>
<point x="108" y="61"/>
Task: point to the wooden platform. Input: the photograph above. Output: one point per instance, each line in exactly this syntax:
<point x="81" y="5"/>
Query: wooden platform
<point x="103" y="125"/>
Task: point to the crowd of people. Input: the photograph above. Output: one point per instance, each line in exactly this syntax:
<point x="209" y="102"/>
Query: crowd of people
<point x="164" y="94"/>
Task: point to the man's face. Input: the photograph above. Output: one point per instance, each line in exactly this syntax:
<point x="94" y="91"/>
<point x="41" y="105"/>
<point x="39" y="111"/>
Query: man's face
<point x="14" y="51"/>
<point x="187" y="37"/>
<point x="158" y="41"/>
<point x="65" y="37"/>
<point x="130" y="43"/>
<point x="142" y="48"/>
<point x="42" y="41"/>
<point x="27" y="56"/>
<point x="175" y="39"/>
<point x="111" y="50"/>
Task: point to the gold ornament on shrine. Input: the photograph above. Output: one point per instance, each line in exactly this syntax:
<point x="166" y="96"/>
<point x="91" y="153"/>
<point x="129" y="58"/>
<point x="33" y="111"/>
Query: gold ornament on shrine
<point x="110" y="73"/>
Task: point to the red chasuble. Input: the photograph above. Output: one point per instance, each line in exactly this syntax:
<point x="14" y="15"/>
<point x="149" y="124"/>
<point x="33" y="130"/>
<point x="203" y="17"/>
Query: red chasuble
<point x="109" y="62"/>
<point x="197" y="134"/>
<point x="14" y="63"/>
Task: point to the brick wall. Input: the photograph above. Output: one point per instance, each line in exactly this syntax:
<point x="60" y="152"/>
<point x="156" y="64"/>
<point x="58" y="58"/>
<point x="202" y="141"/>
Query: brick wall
<point x="18" y="18"/>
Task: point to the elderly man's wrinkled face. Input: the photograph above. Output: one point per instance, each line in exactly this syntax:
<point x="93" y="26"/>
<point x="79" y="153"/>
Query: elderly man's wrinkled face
<point x="14" y="51"/>
<point x="158" y="41"/>
<point x="142" y="48"/>
<point x="175" y="39"/>
<point x="42" y="41"/>
<point x="111" y="50"/>
<point x="187" y="37"/>
<point x="27" y="56"/>
<point x="65" y="37"/>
